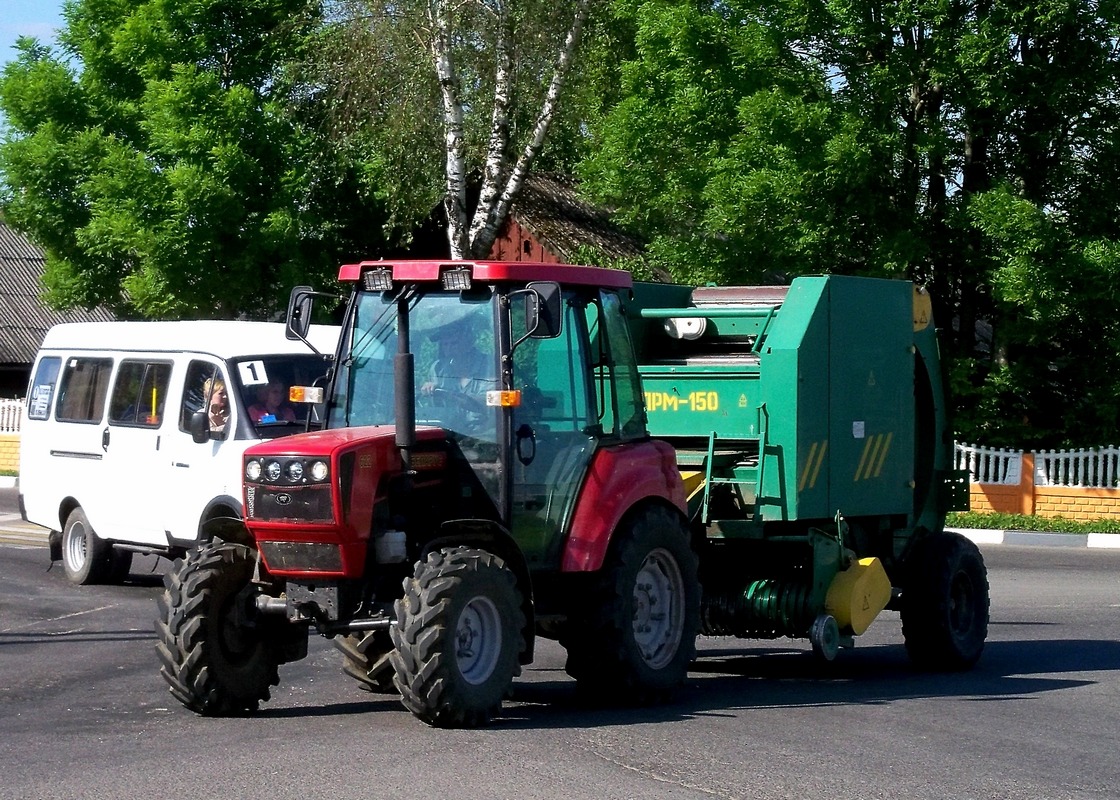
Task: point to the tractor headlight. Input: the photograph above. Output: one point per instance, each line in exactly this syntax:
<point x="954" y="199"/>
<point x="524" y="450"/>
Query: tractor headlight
<point x="319" y="471"/>
<point x="272" y="470"/>
<point x="253" y="470"/>
<point x="295" y="471"/>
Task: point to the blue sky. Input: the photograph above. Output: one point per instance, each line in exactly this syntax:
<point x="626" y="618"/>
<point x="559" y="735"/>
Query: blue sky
<point x="38" y="18"/>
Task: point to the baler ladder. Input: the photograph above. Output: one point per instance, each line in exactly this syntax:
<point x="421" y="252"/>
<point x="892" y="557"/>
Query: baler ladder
<point x="727" y="460"/>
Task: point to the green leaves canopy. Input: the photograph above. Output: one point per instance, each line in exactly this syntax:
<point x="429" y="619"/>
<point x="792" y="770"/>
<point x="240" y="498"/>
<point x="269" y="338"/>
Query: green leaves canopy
<point x="968" y="145"/>
<point x="165" y="167"/>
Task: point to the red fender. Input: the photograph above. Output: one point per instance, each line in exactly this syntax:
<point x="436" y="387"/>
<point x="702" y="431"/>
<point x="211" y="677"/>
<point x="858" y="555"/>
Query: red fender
<point x="617" y="478"/>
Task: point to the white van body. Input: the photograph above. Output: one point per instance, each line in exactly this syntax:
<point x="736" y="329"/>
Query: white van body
<point x="108" y="460"/>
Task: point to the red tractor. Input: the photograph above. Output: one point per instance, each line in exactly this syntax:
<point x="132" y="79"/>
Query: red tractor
<point x="485" y="475"/>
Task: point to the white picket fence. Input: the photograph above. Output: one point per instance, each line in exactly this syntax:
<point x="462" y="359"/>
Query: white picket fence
<point x="1095" y="468"/>
<point x="1091" y="468"/>
<point x="989" y="465"/>
<point x="9" y="415"/>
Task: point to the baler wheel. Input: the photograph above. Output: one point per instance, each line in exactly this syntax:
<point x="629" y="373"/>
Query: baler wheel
<point x="215" y="663"/>
<point x="458" y="637"/>
<point x="945" y="603"/>
<point x="825" y="637"/>
<point x="634" y="635"/>
<point x="365" y="658"/>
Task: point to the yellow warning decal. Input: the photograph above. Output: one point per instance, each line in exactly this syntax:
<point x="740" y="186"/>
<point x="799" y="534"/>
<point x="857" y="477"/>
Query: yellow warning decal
<point x="874" y="455"/>
<point x="812" y="466"/>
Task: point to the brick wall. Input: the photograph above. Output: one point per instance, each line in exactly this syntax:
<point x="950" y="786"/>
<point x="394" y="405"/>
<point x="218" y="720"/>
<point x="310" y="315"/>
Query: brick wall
<point x="9" y="452"/>
<point x="1045" y="501"/>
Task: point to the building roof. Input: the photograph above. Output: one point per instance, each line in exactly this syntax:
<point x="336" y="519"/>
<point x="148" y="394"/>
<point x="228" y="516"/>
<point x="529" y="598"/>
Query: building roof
<point x="549" y="208"/>
<point x="24" y="318"/>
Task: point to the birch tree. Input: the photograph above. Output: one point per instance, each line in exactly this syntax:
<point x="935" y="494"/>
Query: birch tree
<point x="480" y="80"/>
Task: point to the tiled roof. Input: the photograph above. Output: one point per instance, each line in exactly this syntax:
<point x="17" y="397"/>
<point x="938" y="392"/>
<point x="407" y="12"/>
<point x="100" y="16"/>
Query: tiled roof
<point x="549" y="208"/>
<point x="24" y="318"/>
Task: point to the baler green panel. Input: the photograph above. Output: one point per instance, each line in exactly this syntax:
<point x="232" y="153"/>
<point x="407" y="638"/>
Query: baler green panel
<point x="871" y="441"/>
<point x="794" y="387"/>
<point x="837" y="377"/>
<point x="693" y="401"/>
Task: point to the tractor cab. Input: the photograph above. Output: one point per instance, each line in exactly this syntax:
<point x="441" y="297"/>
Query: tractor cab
<point x="526" y="369"/>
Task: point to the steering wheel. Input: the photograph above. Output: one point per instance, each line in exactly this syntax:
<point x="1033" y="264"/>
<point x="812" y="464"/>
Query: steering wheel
<point x="461" y="411"/>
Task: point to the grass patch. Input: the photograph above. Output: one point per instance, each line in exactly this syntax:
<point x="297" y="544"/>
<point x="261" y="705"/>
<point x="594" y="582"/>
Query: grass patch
<point x="9" y="473"/>
<point x="1025" y="522"/>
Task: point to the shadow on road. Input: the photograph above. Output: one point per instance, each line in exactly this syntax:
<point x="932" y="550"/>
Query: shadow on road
<point x="730" y="681"/>
<point x="733" y="681"/>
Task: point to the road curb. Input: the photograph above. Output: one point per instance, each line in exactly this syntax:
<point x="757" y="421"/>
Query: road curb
<point x="1036" y="539"/>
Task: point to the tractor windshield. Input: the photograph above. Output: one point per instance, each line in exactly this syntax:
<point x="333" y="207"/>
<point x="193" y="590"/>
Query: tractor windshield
<point x="453" y="337"/>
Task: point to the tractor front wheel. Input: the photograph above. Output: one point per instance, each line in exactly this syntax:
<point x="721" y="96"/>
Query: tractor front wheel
<point x="219" y="656"/>
<point x="945" y="603"/>
<point x="365" y="658"/>
<point x="634" y="634"/>
<point x="458" y="637"/>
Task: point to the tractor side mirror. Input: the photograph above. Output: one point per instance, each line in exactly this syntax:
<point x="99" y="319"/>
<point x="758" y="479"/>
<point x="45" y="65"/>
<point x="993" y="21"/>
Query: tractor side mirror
<point x="299" y="313"/>
<point x="543" y="309"/>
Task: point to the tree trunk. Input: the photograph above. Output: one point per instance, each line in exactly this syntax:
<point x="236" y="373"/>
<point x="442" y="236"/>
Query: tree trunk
<point x="455" y="199"/>
<point x="493" y="207"/>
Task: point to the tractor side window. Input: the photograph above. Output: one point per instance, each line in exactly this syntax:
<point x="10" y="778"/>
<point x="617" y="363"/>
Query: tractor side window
<point x="627" y="383"/>
<point x="84" y="385"/>
<point x="618" y="386"/>
<point x="552" y="376"/>
<point x="555" y="430"/>
<point x="139" y="393"/>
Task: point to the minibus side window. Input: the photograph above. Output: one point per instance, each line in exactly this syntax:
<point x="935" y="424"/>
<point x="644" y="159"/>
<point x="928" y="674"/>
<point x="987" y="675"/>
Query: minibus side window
<point x="84" y="384"/>
<point x="203" y="378"/>
<point x="42" y="388"/>
<point x="139" y="393"/>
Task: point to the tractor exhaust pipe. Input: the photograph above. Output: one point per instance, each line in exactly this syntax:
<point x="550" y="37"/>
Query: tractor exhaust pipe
<point x="404" y="389"/>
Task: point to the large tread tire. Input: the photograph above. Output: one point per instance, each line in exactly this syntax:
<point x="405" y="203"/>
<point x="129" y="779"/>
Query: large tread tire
<point x="366" y="659"/>
<point x="945" y="603"/>
<point x="633" y="635"/>
<point x="217" y="658"/>
<point x="86" y="557"/>
<point x="458" y="637"/>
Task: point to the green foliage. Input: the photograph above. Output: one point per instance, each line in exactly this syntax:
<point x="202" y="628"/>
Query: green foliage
<point x="1023" y="522"/>
<point x="161" y="161"/>
<point x="968" y="147"/>
<point x="730" y="154"/>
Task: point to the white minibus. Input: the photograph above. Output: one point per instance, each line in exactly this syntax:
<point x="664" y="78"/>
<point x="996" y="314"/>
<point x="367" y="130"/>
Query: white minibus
<point x="132" y="433"/>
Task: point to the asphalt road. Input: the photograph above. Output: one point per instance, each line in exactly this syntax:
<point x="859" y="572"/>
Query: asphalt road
<point x="84" y="713"/>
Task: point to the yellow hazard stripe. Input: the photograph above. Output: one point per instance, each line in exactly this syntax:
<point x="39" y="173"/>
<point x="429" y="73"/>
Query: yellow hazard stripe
<point x="812" y="467"/>
<point x="817" y="468"/>
<point x="883" y="455"/>
<point x="874" y="455"/>
<point x="808" y="468"/>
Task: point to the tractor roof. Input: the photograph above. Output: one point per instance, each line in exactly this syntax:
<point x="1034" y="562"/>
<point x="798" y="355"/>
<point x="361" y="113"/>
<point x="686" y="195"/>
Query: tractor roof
<point x="492" y="272"/>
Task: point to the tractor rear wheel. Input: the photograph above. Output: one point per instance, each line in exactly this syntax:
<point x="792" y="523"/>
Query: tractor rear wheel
<point x="634" y="634"/>
<point x="458" y="637"/>
<point x="945" y="603"/>
<point x="219" y="656"/>
<point x="365" y="658"/>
